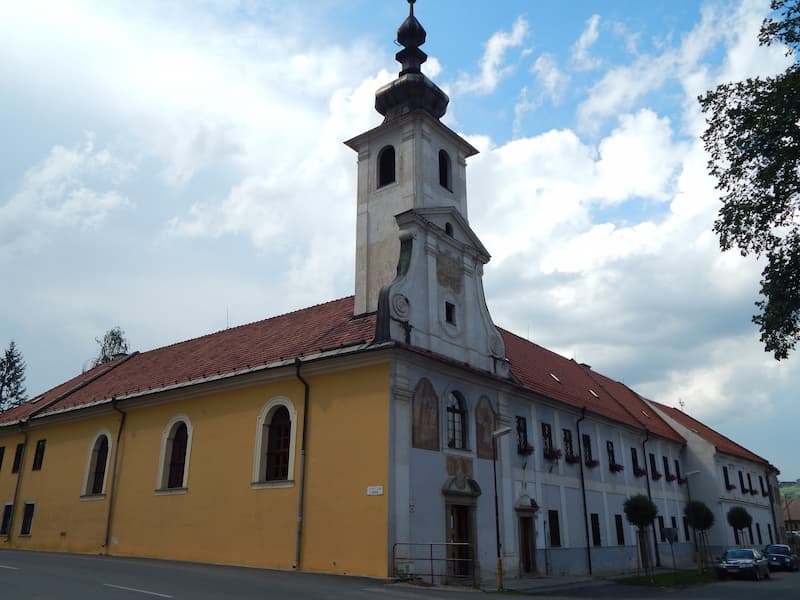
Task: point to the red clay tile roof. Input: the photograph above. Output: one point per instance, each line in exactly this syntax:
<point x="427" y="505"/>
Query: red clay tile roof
<point x="722" y="443"/>
<point x="564" y="379"/>
<point x="310" y="331"/>
<point x="300" y="333"/>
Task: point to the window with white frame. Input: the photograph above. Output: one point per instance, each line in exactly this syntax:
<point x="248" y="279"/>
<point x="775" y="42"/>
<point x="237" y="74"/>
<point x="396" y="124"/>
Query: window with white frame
<point x="97" y="464"/>
<point x="276" y="427"/>
<point x="456" y="421"/>
<point x="176" y="445"/>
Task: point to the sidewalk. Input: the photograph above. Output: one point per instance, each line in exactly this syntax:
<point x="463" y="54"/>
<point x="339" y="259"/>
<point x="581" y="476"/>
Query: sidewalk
<point x="543" y="585"/>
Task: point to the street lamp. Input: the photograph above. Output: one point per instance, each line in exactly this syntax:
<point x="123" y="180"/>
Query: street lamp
<point x="499" y="567"/>
<point x="694" y="531"/>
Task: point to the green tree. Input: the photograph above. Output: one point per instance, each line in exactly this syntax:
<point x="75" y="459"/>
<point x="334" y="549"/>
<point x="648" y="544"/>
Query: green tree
<point x="698" y="515"/>
<point x="12" y="377"/>
<point x="111" y="344"/>
<point x="641" y="512"/>
<point x="753" y="139"/>
<point x="739" y="519"/>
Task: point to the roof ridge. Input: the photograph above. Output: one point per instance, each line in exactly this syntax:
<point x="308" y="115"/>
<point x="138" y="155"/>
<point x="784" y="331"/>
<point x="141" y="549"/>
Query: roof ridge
<point x="250" y="324"/>
<point x="722" y="435"/>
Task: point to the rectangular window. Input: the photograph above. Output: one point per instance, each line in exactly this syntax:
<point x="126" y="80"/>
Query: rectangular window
<point x="555" y="530"/>
<point x="17" y="458"/>
<point x="760" y="479"/>
<point x="665" y="460"/>
<point x="522" y="434"/>
<point x="674" y="522"/>
<point x="653" y="469"/>
<point x="750" y="484"/>
<point x="736" y="536"/>
<point x="5" y="524"/>
<point x="3" y="453"/>
<point x="741" y="482"/>
<point x="27" y="519"/>
<point x="686" y="528"/>
<point x="595" y="529"/>
<point x="725" y="475"/>
<point x="450" y="313"/>
<point x="38" y="456"/>
<point x="750" y="532"/>
<point x="769" y="532"/>
<point x="635" y="459"/>
<point x="587" y="447"/>
<point x="758" y="533"/>
<point x="661" y="528"/>
<point x="566" y="435"/>
<point x="612" y="459"/>
<point x="620" y="530"/>
<point x="677" y="469"/>
<point x="547" y="438"/>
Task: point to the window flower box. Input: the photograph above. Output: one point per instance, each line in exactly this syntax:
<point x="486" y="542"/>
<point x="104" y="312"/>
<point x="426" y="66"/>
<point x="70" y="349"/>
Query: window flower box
<point x="656" y="475"/>
<point x="616" y="468"/>
<point x="765" y="494"/>
<point x="682" y="480"/>
<point x="552" y="454"/>
<point x="573" y="459"/>
<point x="730" y="487"/>
<point x="671" y="477"/>
<point x="640" y="473"/>
<point x="753" y="492"/>
<point x="592" y="463"/>
<point x="525" y="450"/>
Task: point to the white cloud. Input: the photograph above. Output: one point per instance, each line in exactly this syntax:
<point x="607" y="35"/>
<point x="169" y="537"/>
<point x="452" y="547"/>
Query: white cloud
<point x="58" y="193"/>
<point x="581" y="57"/>
<point x="492" y="67"/>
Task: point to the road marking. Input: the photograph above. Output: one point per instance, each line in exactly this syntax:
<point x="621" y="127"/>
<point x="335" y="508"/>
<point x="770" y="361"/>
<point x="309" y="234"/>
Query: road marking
<point x="130" y="589"/>
<point x="10" y="568"/>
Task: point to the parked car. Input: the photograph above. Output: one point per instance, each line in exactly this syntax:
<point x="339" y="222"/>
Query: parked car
<point x="780" y="556"/>
<point x="747" y="562"/>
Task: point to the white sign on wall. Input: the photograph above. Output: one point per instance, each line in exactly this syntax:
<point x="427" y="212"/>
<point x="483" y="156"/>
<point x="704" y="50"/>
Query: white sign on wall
<point x="375" y="490"/>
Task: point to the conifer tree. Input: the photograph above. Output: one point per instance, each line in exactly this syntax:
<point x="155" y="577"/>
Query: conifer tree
<point x="12" y="377"/>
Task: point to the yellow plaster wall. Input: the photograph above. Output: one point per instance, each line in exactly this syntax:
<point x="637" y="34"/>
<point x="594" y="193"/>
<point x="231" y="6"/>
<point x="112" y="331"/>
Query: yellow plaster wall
<point x="221" y="519"/>
<point x="62" y="520"/>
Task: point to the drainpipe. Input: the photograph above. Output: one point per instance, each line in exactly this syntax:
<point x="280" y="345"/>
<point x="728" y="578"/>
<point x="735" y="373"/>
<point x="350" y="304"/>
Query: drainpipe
<point x="647" y="468"/>
<point x="23" y="428"/>
<point x="583" y="491"/>
<point x="112" y="488"/>
<point x="302" y="483"/>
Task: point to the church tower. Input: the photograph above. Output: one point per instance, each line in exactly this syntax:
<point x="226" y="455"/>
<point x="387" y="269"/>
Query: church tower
<point x="418" y="262"/>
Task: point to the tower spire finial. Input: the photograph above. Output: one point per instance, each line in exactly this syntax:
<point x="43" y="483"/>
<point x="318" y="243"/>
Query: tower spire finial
<point x="411" y="7"/>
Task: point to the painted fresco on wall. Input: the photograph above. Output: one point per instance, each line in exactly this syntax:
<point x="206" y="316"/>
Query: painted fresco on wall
<point x="425" y="409"/>
<point x="484" y="427"/>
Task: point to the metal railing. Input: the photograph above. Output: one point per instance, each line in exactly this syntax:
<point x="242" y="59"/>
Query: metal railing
<point x="438" y="563"/>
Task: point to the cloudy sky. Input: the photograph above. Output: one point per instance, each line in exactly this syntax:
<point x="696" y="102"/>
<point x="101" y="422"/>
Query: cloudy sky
<point x="175" y="167"/>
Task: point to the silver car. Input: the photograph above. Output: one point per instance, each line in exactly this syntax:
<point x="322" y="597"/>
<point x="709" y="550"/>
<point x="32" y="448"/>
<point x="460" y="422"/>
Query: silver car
<point x="743" y="562"/>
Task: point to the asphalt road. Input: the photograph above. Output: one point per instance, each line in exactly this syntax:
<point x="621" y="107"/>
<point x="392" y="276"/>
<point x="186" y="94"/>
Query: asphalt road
<point x="50" y="576"/>
<point x="46" y="576"/>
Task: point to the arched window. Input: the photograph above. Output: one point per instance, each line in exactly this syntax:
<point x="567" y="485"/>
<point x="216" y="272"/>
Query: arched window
<point x="176" y="445"/>
<point x="456" y="421"/>
<point x="280" y="433"/>
<point x="97" y="465"/>
<point x="448" y="229"/>
<point x="275" y="442"/>
<point x="177" y="456"/>
<point x="445" y="171"/>
<point x="386" y="166"/>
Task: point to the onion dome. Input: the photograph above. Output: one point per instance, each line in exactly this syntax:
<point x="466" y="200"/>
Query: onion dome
<point x="412" y="90"/>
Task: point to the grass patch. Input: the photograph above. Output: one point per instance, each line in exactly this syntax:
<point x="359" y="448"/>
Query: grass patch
<point x="669" y="579"/>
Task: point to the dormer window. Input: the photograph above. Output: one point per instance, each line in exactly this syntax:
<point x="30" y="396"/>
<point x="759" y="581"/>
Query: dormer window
<point x="445" y="171"/>
<point x="386" y="166"/>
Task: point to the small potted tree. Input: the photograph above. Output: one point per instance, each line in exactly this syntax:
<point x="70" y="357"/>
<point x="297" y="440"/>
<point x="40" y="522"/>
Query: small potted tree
<point x="641" y="512"/>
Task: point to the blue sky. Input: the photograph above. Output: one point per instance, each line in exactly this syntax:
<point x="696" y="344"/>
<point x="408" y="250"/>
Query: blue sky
<point x="173" y="167"/>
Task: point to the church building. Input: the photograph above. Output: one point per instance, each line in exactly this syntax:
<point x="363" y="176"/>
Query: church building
<point x="395" y="432"/>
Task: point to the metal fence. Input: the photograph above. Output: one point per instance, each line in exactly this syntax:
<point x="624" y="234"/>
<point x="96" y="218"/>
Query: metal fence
<point x="442" y="563"/>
